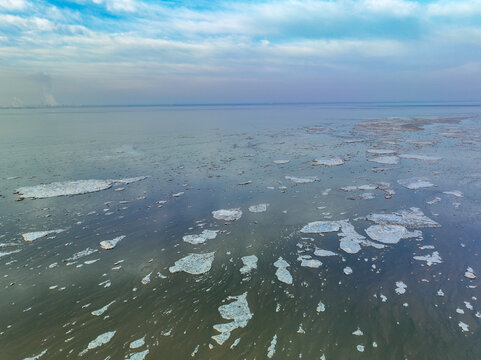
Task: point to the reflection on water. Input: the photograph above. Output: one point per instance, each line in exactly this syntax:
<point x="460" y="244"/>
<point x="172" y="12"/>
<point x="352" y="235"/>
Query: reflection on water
<point x="404" y="290"/>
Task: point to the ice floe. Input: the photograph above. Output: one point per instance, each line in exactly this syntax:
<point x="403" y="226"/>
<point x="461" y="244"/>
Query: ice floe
<point x="307" y="261"/>
<point x="281" y="162"/>
<point x="102" y="309"/>
<point x="227" y="214"/>
<point x="5" y="253"/>
<point x="329" y="161"/>
<point x="464" y="327"/>
<point x="416" y="183"/>
<point x="32" y="236"/>
<point x="36" y="357"/>
<point x="420" y="157"/>
<point x="431" y="259"/>
<point x="455" y="193"/>
<point x="385" y="160"/>
<point x="322" y="252"/>
<point x="258" y="208"/>
<point x="469" y="274"/>
<point x="400" y="287"/>
<point x="68" y="188"/>
<point x="380" y="151"/>
<point x="146" y="279"/>
<point x="137" y="343"/>
<point x="321" y="307"/>
<point x="412" y="218"/>
<point x="387" y="234"/>
<point x="347" y="270"/>
<point x="304" y="180"/>
<point x="138" y="356"/>
<point x="282" y="273"/>
<point x="250" y="263"/>
<point x="110" y="244"/>
<point x="271" y="350"/>
<point x="98" y="341"/>
<point x="318" y="227"/>
<point x="194" y="263"/>
<point x="200" y="238"/>
<point x="238" y="311"/>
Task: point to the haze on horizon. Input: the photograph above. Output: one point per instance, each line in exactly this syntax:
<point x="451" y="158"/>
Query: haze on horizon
<point x="156" y="52"/>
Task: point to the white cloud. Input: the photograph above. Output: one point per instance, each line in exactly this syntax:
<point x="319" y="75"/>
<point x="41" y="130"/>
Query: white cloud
<point x="13" y="4"/>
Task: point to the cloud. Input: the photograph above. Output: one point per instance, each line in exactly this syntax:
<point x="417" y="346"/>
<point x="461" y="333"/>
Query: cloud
<point x="13" y="4"/>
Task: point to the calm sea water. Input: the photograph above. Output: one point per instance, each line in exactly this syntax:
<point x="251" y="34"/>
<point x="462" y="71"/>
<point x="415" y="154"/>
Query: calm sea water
<point x="222" y="157"/>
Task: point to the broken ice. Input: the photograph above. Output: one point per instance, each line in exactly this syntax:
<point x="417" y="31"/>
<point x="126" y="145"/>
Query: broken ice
<point x="194" y="263"/>
<point x="227" y="214"/>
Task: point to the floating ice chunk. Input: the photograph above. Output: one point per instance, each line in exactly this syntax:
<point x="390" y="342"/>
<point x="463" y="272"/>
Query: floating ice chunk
<point x="238" y="311"/>
<point x="146" y="279"/>
<point x="200" y="238"/>
<point x="317" y="227"/>
<point x="36" y="357"/>
<point x="380" y="151"/>
<point x="258" y="208"/>
<point x="102" y="309"/>
<point x="178" y="194"/>
<point x="469" y="273"/>
<point x="400" y="288"/>
<point x="460" y="311"/>
<point x="368" y="196"/>
<point x="31" y="236"/>
<point x="282" y="273"/>
<point x="360" y="348"/>
<point x="456" y="193"/>
<point x="301" y="330"/>
<point x="81" y="254"/>
<point x="194" y="263"/>
<point x="137" y="343"/>
<point x="306" y="261"/>
<point x="321" y="307"/>
<point x="139" y="356"/>
<point x="68" y="188"/>
<point x="347" y="270"/>
<point x="420" y="157"/>
<point x="227" y="214"/>
<point x="385" y="160"/>
<point x="412" y="218"/>
<point x="5" y="253"/>
<point x="349" y="245"/>
<point x="349" y="188"/>
<point x="250" y="263"/>
<point x="358" y="332"/>
<point x="440" y="293"/>
<point x="99" y="341"/>
<point x="281" y="162"/>
<point x="387" y="234"/>
<point x="464" y="327"/>
<point x="434" y="201"/>
<point x="271" y="350"/>
<point x="322" y="252"/>
<point x="434" y="258"/>
<point x="305" y="180"/>
<point x="110" y="244"/>
<point x="416" y="183"/>
<point x="468" y="305"/>
<point x="329" y="161"/>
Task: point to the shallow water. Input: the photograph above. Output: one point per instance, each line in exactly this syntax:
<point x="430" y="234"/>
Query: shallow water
<point x="223" y="157"/>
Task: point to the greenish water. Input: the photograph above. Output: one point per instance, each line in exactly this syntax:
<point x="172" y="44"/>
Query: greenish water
<point x="206" y="152"/>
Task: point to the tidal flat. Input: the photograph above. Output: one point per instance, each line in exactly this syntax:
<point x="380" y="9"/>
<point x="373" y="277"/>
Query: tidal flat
<point x="329" y="231"/>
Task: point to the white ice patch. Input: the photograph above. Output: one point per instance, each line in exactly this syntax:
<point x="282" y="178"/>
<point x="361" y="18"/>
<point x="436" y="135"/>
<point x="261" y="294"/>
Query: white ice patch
<point x="194" y="263"/>
<point x="347" y="270"/>
<point x="5" y="253"/>
<point x="455" y="193"/>
<point x="306" y="261"/>
<point x="110" y="244"/>
<point x="305" y="180"/>
<point x="469" y="274"/>
<point x="81" y="254"/>
<point x="32" y="236"/>
<point x="322" y="252"/>
<point x="227" y="214"/>
<point x="321" y="307"/>
<point x="271" y="350"/>
<point x="385" y="160"/>
<point x="281" y="162"/>
<point x="329" y="161"/>
<point x="420" y="157"/>
<point x="138" y="356"/>
<point x="318" y="227"/>
<point x="386" y="234"/>
<point x="349" y="246"/>
<point x="416" y="183"/>
<point x="258" y="208"/>
<point x="400" y="288"/>
<point x="380" y="151"/>
<point x="432" y="259"/>
<point x="250" y="263"/>
<point x="200" y="238"/>
<point x="412" y="218"/>
<point x="69" y="188"/>
<point x="36" y="357"/>
<point x="146" y="279"/>
<point x="137" y="343"/>
<point x="102" y="309"/>
<point x="282" y="273"/>
<point x="238" y="311"/>
<point x="98" y="341"/>
<point x="464" y="327"/>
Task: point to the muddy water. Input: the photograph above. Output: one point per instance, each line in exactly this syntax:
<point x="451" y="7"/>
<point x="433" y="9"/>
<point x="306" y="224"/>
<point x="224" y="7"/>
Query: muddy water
<point x="206" y="153"/>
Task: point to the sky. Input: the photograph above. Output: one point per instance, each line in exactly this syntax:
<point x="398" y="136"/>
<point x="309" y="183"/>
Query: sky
<point x="103" y="52"/>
